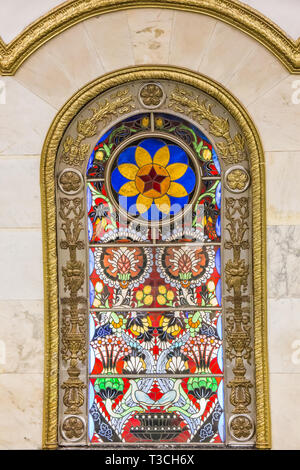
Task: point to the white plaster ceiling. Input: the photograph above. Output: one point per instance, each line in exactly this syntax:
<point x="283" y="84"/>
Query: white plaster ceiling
<point x="16" y="15"/>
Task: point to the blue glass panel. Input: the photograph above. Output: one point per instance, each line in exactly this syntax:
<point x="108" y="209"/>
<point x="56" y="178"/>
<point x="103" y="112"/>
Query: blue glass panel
<point x="218" y="196"/>
<point x="117" y="180"/>
<point x="90" y="229"/>
<point x="127" y="156"/>
<point x="218" y="226"/>
<point x="152" y="145"/>
<point x="216" y="160"/>
<point x="177" y="155"/>
<point x="92" y="293"/>
<point x="218" y="261"/>
<point x="188" y="180"/>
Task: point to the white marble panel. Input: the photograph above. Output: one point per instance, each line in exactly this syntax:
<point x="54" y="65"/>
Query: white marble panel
<point x="285" y="411"/>
<point x="227" y="49"/>
<point x="283" y="248"/>
<point x="21" y="264"/>
<point x="284" y="335"/>
<point x="150" y="31"/>
<point x="285" y="14"/>
<point x="276" y="115"/>
<point x="61" y="66"/>
<point x="256" y="74"/>
<point x="21" y="411"/>
<point x="21" y="336"/>
<point x="190" y="36"/>
<point x="110" y="39"/>
<point x="16" y="15"/>
<point x="282" y="188"/>
<point x="24" y="120"/>
<point x="20" y="192"/>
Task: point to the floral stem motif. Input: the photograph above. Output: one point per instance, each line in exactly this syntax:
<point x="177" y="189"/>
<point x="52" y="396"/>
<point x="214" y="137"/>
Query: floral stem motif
<point x="110" y="388"/>
<point x="211" y="193"/>
<point x="238" y="320"/>
<point x="73" y="322"/>
<point x="232" y="149"/>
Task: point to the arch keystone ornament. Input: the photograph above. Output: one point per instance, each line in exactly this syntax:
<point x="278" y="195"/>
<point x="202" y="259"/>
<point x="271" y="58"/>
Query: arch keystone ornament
<point x="130" y="357"/>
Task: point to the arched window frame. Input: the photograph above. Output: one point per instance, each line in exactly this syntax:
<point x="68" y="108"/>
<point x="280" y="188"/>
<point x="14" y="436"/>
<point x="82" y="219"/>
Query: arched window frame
<point x="239" y="144"/>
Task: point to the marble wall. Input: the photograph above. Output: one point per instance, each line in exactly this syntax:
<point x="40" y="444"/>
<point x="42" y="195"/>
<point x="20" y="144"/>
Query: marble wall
<point x="33" y="97"/>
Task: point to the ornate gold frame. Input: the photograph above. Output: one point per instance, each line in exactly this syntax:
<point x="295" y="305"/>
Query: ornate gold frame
<point x="49" y="152"/>
<point x="68" y="14"/>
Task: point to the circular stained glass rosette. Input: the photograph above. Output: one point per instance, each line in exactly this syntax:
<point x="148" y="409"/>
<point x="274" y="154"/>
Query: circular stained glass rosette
<point x="153" y="179"/>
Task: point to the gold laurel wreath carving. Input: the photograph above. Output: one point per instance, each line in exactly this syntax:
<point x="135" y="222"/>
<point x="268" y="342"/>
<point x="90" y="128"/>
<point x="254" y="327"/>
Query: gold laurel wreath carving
<point x="75" y="151"/>
<point x="49" y="155"/>
<point x="238" y="15"/>
<point x="232" y="150"/>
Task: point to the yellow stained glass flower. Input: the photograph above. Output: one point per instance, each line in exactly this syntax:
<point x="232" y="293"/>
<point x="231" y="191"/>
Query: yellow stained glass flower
<point x="153" y="179"/>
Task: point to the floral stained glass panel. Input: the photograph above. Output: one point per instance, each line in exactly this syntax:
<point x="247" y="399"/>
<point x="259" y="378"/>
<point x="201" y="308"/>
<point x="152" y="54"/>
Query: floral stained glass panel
<point x="188" y="409"/>
<point x="148" y="277"/>
<point x="180" y="342"/>
<point x="155" y="295"/>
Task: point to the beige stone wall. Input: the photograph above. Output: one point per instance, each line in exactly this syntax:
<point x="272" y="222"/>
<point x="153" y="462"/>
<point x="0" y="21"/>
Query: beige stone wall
<point x="33" y="97"/>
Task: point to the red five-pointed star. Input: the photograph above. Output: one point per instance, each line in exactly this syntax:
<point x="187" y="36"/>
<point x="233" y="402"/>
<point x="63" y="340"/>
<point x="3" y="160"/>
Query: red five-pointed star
<point x="152" y="180"/>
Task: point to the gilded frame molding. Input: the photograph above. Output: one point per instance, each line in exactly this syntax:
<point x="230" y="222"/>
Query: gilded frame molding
<point x="47" y="175"/>
<point x="233" y="12"/>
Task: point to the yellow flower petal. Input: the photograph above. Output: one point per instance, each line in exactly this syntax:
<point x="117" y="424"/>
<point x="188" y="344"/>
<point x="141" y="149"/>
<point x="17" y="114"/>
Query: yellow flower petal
<point x="143" y="203"/>
<point x="163" y="204"/>
<point x="128" y="189"/>
<point x="176" y="170"/>
<point x="147" y="289"/>
<point x="162" y="156"/>
<point x="170" y="295"/>
<point x="161" y="299"/>
<point x="128" y="170"/>
<point x="142" y="157"/>
<point x="139" y="295"/>
<point x="177" y="190"/>
<point x="162" y="289"/>
<point x="148" y="300"/>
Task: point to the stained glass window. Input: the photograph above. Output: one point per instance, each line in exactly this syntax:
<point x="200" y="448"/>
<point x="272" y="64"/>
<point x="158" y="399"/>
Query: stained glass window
<point x="153" y="195"/>
<point x="156" y="324"/>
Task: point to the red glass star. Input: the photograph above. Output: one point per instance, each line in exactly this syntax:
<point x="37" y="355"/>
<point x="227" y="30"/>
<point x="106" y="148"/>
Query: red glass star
<point x="152" y="180"/>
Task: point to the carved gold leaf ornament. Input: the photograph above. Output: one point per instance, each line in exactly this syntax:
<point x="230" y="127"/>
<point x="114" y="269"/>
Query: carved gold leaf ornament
<point x="151" y="95"/>
<point x="73" y="428"/>
<point x="238" y="322"/>
<point x="238" y="15"/>
<point x="183" y="101"/>
<point x="73" y="398"/>
<point x="74" y="151"/>
<point x="241" y="427"/>
<point x="70" y="181"/>
<point x="236" y="273"/>
<point x="51" y="154"/>
<point x="74" y="329"/>
<point x="237" y="179"/>
<point x="73" y="275"/>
